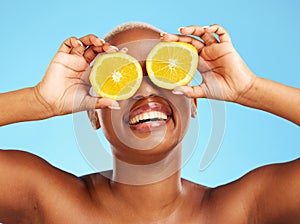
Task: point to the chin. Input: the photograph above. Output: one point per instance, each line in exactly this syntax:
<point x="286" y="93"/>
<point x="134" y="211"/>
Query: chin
<point x="149" y="145"/>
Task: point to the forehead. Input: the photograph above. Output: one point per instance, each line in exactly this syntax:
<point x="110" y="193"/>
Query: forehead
<point x="132" y="35"/>
<point x="138" y="42"/>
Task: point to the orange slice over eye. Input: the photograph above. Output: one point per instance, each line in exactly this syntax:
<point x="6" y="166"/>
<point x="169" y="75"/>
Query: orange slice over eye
<point x="172" y="64"/>
<point x="116" y="76"/>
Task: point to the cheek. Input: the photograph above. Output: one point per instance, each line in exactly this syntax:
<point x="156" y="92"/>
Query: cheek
<point x="183" y="107"/>
<point x="107" y="127"/>
<point x="185" y="121"/>
<point x="103" y="122"/>
<point x="113" y="125"/>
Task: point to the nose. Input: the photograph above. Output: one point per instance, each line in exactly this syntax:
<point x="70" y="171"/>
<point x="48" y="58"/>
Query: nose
<point x="146" y="89"/>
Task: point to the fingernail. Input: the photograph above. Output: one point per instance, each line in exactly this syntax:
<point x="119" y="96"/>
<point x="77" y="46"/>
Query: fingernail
<point x="180" y="90"/>
<point x="124" y="50"/>
<point x="100" y="41"/>
<point x="162" y="34"/>
<point x="177" y="92"/>
<point x="179" y="29"/>
<point x="92" y="92"/>
<point x="103" y="41"/>
<point x="94" y="125"/>
<point x="112" y="49"/>
<point x="205" y="27"/>
<point x="80" y="43"/>
<point x="114" y="106"/>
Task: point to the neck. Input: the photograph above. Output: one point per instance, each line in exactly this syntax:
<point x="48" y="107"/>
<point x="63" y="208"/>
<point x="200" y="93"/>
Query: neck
<point x="156" y="185"/>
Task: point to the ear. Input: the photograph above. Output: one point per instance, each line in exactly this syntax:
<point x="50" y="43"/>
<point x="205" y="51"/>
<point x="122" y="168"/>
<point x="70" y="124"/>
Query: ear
<point x="194" y="107"/>
<point x="94" y="119"/>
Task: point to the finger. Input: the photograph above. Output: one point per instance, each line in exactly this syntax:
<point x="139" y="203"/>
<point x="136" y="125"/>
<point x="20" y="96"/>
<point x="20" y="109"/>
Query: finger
<point x="92" y="55"/>
<point x="190" y="91"/>
<point x="182" y="38"/>
<point x="169" y="37"/>
<point x="209" y="39"/>
<point x="110" y="48"/>
<point x="92" y="39"/>
<point x="69" y="44"/>
<point x="90" y="102"/>
<point x="220" y="31"/>
<point x="92" y="52"/>
<point x="201" y="32"/>
<point x="192" y="30"/>
<point x="78" y="50"/>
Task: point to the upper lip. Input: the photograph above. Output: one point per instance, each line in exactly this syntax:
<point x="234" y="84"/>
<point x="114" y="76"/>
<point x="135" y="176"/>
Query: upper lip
<point x="151" y="104"/>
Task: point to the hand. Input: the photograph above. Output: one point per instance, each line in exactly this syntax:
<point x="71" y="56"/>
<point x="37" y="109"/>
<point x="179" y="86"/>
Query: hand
<point x="65" y="86"/>
<point x="225" y="75"/>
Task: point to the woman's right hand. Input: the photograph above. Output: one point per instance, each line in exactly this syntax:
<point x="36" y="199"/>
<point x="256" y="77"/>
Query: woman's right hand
<point x="65" y="86"/>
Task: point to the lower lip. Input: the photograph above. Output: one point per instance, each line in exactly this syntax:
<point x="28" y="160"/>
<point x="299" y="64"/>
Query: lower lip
<point x="149" y="126"/>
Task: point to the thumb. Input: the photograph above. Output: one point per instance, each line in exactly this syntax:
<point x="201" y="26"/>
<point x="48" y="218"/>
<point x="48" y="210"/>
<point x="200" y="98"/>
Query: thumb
<point x="91" y="102"/>
<point x="190" y="91"/>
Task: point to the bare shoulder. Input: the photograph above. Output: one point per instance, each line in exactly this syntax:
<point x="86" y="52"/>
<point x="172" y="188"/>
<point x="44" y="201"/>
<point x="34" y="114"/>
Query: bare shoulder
<point x="31" y="188"/>
<point x="265" y="195"/>
<point x="21" y="164"/>
<point x="278" y="195"/>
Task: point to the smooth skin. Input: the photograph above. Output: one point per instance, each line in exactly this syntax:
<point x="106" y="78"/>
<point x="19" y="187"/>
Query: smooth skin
<point x="33" y="191"/>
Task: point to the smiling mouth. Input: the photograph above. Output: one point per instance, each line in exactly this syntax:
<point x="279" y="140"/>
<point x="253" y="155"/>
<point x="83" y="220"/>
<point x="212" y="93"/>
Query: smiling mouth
<point x="148" y="117"/>
<point x="148" y="114"/>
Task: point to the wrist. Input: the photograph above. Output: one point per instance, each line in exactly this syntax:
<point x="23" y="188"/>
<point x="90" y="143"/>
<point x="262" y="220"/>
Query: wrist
<point x="249" y="96"/>
<point x="23" y="105"/>
<point x="41" y="105"/>
<point x="273" y="97"/>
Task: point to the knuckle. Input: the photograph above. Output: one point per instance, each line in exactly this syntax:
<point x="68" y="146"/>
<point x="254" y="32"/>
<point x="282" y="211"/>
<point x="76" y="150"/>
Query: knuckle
<point x="71" y="38"/>
<point x="89" y="58"/>
<point x="92" y="36"/>
<point x="102" y="106"/>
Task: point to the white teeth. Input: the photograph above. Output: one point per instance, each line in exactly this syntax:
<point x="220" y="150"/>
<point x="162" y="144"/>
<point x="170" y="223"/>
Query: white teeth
<point x="140" y="117"/>
<point x="135" y="120"/>
<point x="152" y="114"/>
<point x="148" y="115"/>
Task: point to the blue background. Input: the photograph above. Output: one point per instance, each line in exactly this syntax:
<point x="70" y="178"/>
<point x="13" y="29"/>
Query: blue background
<point x="265" y="33"/>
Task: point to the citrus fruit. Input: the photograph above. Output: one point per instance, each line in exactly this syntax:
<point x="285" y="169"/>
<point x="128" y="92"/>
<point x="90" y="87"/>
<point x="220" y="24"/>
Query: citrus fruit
<point x="172" y="64"/>
<point x="116" y="76"/>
